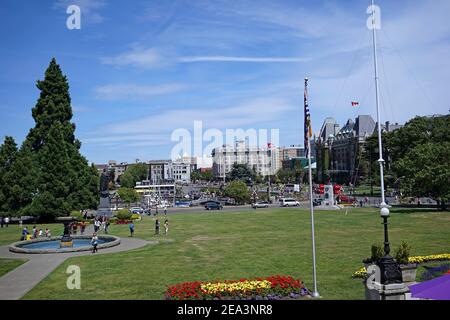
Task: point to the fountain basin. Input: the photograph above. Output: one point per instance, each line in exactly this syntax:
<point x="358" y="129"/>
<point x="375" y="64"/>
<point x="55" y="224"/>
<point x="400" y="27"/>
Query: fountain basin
<point x="52" y="245"/>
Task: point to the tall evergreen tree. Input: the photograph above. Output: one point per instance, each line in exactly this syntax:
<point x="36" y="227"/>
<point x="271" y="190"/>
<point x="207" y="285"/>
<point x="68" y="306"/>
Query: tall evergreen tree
<point x="21" y="180"/>
<point x="63" y="180"/>
<point x="8" y="153"/>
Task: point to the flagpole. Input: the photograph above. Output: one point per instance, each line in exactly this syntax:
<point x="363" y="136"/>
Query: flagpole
<point x="311" y="207"/>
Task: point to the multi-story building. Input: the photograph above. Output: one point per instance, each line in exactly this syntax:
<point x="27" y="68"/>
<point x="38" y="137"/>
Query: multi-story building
<point x="160" y="171"/>
<point x="118" y="168"/>
<point x="338" y="150"/>
<point x="264" y="160"/>
<point x="182" y="171"/>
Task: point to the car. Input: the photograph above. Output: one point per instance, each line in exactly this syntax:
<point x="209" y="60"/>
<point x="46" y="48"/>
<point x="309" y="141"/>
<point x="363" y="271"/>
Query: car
<point x="213" y="205"/>
<point x="289" y="202"/>
<point x="137" y="210"/>
<point x="317" y="202"/>
<point x="260" y="204"/>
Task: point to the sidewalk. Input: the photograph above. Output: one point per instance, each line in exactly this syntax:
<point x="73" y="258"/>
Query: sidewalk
<point x="15" y="284"/>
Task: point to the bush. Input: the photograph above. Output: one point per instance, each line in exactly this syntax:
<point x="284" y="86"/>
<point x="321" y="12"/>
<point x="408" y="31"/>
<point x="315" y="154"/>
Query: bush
<point x="124" y="214"/>
<point x="135" y="216"/>
<point x="376" y="253"/>
<point x="76" y="214"/>
<point x="402" y="253"/>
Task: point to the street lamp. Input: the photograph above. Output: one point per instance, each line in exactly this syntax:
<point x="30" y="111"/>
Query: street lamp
<point x="389" y="268"/>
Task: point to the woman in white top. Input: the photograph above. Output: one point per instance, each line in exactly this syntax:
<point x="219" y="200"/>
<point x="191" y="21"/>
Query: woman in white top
<point x="94" y="242"/>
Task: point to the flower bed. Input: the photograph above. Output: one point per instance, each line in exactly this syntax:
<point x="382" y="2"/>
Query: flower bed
<point x="362" y="273"/>
<point x="269" y="288"/>
<point x="123" y="221"/>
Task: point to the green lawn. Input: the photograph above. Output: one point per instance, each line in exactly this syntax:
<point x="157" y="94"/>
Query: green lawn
<point x="14" y="232"/>
<point x="6" y="265"/>
<point x="231" y="245"/>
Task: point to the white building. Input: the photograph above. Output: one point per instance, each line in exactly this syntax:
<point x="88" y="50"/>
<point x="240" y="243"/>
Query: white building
<point x="181" y="171"/>
<point x="264" y="160"/>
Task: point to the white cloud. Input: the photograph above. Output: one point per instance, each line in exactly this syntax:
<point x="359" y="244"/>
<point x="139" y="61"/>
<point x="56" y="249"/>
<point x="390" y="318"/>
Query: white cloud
<point x="135" y="91"/>
<point x="240" y="59"/>
<point x="137" y="57"/>
<point x="155" y="130"/>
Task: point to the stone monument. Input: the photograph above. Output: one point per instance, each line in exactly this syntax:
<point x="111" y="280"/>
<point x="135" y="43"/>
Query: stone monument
<point x="104" y="208"/>
<point x="328" y="202"/>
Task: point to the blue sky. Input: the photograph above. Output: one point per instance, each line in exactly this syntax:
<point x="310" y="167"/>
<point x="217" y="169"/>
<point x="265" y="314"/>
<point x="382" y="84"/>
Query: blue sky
<point x="140" y="69"/>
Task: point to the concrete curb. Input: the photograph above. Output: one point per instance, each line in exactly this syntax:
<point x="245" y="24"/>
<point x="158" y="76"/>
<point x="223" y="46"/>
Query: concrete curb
<point x="16" y="246"/>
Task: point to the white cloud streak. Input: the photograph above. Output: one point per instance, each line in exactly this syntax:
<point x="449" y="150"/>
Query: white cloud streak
<point x="135" y="91"/>
<point x="240" y="59"/>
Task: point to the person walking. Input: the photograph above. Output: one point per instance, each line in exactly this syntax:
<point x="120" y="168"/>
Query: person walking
<point x="97" y="225"/>
<point x="106" y="226"/>
<point x="94" y="242"/>
<point x="7" y="221"/>
<point x="131" y="228"/>
<point x="24" y="233"/>
<point x="157" y="227"/>
<point x="82" y="227"/>
<point x="165" y="210"/>
<point x="35" y="232"/>
<point x="1" y="221"/>
<point x="166" y="227"/>
<point x="41" y="233"/>
<point x="47" y="233"/>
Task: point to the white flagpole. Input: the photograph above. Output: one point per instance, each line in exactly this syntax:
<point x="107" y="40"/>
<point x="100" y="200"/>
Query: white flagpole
<point x="311" y="209"/>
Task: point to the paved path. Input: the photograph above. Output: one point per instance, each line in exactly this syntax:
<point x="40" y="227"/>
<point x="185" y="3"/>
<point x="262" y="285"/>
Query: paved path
<point x="15" y="284"/>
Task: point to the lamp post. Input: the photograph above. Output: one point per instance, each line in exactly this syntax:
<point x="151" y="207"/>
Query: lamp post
<point x="389" y="268"/>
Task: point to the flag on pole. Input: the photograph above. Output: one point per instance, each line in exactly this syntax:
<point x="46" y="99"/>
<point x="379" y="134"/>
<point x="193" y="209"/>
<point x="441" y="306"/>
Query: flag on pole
<point x="355" y="103"/>
<point x="308" y="129"/>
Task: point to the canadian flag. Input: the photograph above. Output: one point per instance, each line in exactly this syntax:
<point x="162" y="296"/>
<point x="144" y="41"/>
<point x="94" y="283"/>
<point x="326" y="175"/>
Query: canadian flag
<point x="355" y="103"/>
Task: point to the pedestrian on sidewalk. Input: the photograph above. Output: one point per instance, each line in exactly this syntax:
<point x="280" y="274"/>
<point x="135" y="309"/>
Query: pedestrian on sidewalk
<point x="94" y="242"/>
<point x="131" y="228"/>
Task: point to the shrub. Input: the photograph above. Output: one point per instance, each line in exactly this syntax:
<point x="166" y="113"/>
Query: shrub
<point x="376" y="253"/>
<point x="402" y="253"/>
<point x="124" y="214"/>
<point x="135" y="216"/>
<point x="76" y="214"/>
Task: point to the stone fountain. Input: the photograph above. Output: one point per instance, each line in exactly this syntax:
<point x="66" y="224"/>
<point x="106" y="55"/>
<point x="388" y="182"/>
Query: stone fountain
<point x="66" y="240"/>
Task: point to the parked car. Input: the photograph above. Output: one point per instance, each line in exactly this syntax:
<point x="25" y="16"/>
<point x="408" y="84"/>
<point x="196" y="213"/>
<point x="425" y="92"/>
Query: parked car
<point x="317" y="202"/>
<point x="213" y="205"/>
<point x="137" y="210"/>
<point x="260" y="204"/>
<point x="289" y="202"/>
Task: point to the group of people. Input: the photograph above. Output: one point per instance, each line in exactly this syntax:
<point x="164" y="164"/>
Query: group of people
<point x="74" y="227"/>
<point x="100" y="222"/>
<point x="4" y="221"/>
<point x="157" y="227"/>
<point x="166" y="227"/>
<point x="35" y="233"/>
